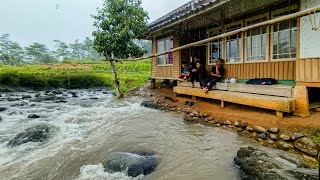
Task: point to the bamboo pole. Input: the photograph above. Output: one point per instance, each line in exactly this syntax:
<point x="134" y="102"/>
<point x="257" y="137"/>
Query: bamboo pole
<point x="244" y="29"/>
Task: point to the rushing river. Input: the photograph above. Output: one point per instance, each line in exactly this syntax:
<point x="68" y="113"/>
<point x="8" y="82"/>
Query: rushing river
<point x="88" y="128"/>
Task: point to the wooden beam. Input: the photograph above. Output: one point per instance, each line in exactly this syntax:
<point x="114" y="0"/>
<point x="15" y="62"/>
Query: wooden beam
<point x="262" y="101"/>
<point x="309" y="84"/>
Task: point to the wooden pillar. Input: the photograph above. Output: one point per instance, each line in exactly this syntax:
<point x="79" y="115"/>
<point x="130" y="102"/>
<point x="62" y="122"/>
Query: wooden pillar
<point x="300" y="94"/>
<point x="153" y="83"/>
<point x="222" y="104"/>
<point x="279" y="114"/>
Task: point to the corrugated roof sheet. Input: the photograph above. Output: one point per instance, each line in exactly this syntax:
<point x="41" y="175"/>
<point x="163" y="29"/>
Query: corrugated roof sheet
<point x="180" y="13"/>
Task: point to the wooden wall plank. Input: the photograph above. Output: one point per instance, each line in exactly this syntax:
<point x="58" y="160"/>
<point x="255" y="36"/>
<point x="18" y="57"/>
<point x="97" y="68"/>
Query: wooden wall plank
<point x="315" y="70"/>
<point x="308" y="70"/>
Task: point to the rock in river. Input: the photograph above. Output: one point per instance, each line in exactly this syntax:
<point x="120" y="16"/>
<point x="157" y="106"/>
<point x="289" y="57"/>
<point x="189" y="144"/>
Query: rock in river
<point x="3" y="109"/>
<point x="37" y="133"/>
<point x="134" y="164"/>
<point x="33" y="116"/>
<point x="307" y="146"/>
<point x="151" y="104"/>
<point x="257" y="164"/>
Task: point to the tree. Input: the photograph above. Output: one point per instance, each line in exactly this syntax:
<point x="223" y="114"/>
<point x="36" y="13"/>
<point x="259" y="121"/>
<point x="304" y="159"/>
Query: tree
<point x="11" y="53"/>
<point x="118" y="23"/>
<point x="61" y="51"/>
<point x="39" y="53"/>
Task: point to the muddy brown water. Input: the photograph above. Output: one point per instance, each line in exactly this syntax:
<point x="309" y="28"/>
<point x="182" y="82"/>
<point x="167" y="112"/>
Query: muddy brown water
<point x="88" y="130"/>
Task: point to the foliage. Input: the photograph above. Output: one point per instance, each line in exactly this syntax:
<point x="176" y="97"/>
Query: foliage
<point x="92" y="74"/>
<point x="118" y="23"/>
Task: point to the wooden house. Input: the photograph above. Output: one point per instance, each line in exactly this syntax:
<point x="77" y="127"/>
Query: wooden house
<point x="288" y="51"/>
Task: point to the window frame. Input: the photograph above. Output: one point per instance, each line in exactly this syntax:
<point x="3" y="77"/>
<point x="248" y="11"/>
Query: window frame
<point x="240" y="22"/>
<point x="217" y="30"/>
<point x="166" y="55"/>
<point x="247" y="21"/>
<point x="273" y="16"/>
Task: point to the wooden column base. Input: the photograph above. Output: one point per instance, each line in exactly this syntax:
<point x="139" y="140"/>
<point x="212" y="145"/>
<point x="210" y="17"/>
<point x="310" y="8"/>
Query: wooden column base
<point x="153" y="83"/>
<point x="279" y="114"/>
<point x="300" y="94"/>
<point x="222" y="104"/>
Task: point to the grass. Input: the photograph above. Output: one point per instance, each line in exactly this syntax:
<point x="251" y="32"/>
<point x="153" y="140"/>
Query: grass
<point x="72" y="75"/>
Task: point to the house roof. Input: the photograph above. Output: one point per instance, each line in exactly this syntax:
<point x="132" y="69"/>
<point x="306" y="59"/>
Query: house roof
<point x="182" y="12"/>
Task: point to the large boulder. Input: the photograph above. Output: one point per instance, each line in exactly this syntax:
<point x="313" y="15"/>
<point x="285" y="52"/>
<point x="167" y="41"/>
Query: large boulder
<point x="133" y="164"/>
<point x="307" y="146"/>
<point x="258" y="164"/>
<point x="38" y="133"/>
<point x="151" y="104"/>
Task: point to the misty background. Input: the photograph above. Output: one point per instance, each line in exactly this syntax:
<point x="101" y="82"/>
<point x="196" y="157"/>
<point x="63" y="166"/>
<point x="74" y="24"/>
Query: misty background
<point x="43" y="21"/>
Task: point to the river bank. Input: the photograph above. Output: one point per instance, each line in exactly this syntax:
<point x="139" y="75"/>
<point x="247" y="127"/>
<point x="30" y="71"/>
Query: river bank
<point x="294" y="134"/>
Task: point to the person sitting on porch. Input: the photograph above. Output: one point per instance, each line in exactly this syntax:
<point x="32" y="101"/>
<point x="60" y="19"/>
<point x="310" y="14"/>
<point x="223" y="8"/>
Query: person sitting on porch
<point x="217" y="73"/>
<point x="185" y="72"/>
<point x="199" y="74"/>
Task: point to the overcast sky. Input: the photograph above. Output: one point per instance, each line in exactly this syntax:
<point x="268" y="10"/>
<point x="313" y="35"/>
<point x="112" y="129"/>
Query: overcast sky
<point x="43" y="21"/>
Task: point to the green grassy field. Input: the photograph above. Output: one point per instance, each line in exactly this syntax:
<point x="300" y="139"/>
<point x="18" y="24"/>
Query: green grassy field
<point x="75" y="74"/>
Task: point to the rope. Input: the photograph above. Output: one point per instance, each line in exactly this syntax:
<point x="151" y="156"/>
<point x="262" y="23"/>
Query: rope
<point x="313" y="22"/>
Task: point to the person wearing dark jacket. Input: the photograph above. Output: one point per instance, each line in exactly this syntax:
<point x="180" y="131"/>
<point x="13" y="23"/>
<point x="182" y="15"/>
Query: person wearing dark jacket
<point x="217" y="73"/>
<point x="199" y="74"/>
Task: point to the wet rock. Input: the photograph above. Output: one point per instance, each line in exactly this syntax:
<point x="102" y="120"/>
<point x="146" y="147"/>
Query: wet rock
<point x="33" y="116"/>
<point x="244" y="125"/>
<point x="195" y="119"/>
<point x="249" y="128"/>
<point x="26" y="97"/>
<point x="75" y="95"/>
<point x="259" y="129"/>
<point x="296" y="136"/>
<point x="274" y="130"/>
<point x="228" y="123"/>
<point x="273" y="137"/>
<point x="51" y="97"/>
<point x="151" y="104"/>
<point x="257" y="164"/>
<point x="3" y="109"/>
<point x="0" y="118"/>
<point x="239" y="129"/>
<point x="306" y="145"/>
<point x="94" y="98"/>
<point x="11" y="99"/>
<point x="134" y="164"/>
<point x="237" y="124"/>
<point x="317" y="109"/>
<point x="262" y="136"/>
<point x="270" y="142"/>
<point x="37" y="133"/>
<point x="191" y="114"/>
<point x="187" y="118"/>
<point x="37" y="95"/>
<point x="285" y="137"/>
<point x="284" y="145"/>
<point x="57" y="92"/>
<point x="218" y="125"/>
<point x="196" y="113"/>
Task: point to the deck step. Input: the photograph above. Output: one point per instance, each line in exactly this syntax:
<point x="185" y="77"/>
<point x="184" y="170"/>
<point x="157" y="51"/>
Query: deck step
<point x="281" y="104"/>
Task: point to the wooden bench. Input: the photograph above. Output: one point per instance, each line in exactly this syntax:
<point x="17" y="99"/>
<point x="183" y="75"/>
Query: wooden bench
<point x="279" y="100"/>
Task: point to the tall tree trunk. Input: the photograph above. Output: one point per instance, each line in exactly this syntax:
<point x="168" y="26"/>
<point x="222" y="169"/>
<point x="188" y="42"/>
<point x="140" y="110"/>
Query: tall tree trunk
<point x="116" y="81"/>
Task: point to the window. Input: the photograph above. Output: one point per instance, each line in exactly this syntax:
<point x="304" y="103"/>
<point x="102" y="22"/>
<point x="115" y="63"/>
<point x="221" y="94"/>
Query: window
<point x="215" y="47"/>
<point x="234" y="45"/>
<point x="284" y="37"/>
<point x="164" y="45"/>
<point x="256" y="41"/>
